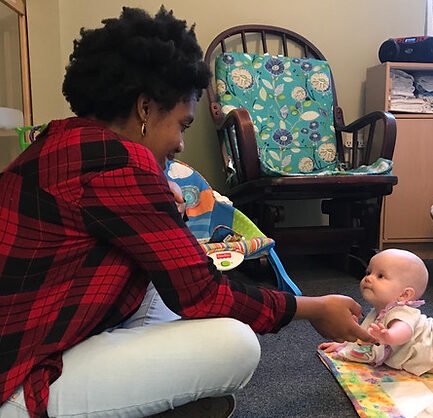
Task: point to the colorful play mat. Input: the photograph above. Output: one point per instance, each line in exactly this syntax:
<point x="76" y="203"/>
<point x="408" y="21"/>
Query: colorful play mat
<point x="383" y="392"/>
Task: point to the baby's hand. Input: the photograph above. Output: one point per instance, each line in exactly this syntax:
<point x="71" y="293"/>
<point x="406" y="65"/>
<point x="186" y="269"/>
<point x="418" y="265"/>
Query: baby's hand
<point x="177" y="193"/>
<point x="380" y="332"/>
<point x="331" y="347"/>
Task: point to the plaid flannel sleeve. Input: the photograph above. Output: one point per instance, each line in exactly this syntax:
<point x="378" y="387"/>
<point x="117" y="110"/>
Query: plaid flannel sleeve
<point x="134" y="210"/>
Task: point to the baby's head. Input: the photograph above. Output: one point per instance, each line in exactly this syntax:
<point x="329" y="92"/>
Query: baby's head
<point x="394" y="275"/>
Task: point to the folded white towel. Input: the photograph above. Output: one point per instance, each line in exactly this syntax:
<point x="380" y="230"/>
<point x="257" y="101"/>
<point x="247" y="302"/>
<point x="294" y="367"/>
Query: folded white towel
<point x="10" y="118"/>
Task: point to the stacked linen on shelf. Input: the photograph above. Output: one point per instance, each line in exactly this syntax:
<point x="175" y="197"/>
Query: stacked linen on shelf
<point x="403" y="97"/>
<point x="424" y="87"/>
<point x="402" y="84"/>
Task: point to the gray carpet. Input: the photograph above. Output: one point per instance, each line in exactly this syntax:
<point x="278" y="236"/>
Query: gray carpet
<point x="291" y="381"/>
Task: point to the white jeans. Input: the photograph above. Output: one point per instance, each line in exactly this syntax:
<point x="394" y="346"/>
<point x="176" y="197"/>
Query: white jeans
<point x="150" y="368"/>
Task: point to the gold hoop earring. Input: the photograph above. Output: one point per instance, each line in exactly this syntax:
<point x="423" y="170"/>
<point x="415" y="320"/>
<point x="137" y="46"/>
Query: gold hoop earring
<point x="143" y="127"/>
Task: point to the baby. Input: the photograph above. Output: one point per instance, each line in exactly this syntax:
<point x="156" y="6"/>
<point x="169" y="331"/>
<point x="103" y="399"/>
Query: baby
<point x="394" y="282"/>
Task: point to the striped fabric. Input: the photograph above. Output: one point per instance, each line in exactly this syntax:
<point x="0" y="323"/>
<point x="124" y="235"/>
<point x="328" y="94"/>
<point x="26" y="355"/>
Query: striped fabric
<point x="249" y="248"/>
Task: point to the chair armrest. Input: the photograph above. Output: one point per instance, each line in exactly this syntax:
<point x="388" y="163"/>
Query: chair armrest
<point x="388" y="135"/>
<point x="238" y="127"/>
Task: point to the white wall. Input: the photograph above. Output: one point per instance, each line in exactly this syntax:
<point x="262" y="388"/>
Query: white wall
<point x="348" y="32"/>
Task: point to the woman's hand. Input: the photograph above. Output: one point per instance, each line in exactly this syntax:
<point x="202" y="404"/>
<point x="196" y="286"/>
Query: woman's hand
<point x="333" y="317"/>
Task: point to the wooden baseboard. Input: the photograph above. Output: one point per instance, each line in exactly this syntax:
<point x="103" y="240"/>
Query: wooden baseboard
<point x="421" y="249"/>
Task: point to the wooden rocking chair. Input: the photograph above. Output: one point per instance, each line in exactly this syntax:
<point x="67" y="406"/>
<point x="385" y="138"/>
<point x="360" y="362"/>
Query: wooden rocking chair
<point x="353" y="202"/>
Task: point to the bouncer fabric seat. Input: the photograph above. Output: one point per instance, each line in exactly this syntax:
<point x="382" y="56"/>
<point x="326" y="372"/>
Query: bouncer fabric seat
<point x="225" y="233"/>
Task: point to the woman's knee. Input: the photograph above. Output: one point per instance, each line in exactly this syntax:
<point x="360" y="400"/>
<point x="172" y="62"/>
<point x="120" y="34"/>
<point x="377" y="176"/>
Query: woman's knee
<point x="239" y="344"/>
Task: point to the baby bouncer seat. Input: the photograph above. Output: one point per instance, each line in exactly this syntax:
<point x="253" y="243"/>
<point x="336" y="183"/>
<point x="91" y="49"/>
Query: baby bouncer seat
<point x="227" y="235"/>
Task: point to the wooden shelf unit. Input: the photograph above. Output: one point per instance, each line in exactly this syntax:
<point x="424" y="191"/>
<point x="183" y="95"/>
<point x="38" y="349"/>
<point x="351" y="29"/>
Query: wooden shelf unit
<point x="14" y="74"/>
<point x="406" y="213"/>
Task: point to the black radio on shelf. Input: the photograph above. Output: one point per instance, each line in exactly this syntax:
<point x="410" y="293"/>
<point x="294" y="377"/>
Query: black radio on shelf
<point x="411" y="49"/>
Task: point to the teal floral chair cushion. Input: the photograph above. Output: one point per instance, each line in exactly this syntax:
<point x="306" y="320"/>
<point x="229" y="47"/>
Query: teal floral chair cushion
<point x="290" y="101"/>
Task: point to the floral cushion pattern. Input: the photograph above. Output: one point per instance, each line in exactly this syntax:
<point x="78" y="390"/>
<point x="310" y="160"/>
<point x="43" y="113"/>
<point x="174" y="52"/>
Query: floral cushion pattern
<point x="291" y="104"/>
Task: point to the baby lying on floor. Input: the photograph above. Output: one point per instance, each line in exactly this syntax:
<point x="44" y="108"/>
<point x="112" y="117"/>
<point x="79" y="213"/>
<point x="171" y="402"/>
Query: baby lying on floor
<point x="394" y="282"/>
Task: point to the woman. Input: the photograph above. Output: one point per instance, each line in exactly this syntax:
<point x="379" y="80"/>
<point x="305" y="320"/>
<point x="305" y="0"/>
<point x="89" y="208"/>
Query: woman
<point x="88" y="221"/>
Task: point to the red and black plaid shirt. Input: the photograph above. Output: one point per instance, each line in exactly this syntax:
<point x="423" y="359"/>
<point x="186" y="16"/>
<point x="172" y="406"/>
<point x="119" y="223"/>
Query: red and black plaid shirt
<point x="86" y="221"/>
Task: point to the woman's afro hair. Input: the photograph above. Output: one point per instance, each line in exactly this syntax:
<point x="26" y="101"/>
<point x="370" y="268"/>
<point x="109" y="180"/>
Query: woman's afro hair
<point x="133" y="54"/>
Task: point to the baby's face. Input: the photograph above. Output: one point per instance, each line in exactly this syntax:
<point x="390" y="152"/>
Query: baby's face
<point x="383" y="281"/>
